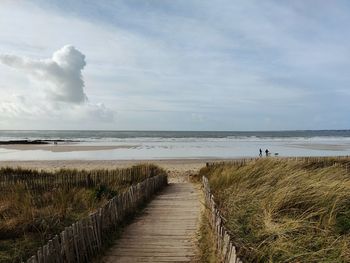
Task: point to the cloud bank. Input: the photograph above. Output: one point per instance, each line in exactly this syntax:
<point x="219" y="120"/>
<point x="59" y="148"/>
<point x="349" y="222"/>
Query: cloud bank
<point x="61" y="74"/>
<point x="19" y="111"/>
<point x="236" y="65"/>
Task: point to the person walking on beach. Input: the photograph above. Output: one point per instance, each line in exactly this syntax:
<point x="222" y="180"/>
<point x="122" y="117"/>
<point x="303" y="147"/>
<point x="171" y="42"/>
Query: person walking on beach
<point x="260" y="152"/>
<point x="267" y="152"/>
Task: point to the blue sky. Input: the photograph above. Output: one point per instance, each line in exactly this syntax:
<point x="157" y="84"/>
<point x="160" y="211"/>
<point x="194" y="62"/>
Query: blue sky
<point x="179" y="65"/>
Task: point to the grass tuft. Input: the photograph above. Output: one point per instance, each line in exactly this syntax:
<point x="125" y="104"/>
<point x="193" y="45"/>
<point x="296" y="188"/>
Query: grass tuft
<point x="30" y="214"/>
<point x="285" y="210"/>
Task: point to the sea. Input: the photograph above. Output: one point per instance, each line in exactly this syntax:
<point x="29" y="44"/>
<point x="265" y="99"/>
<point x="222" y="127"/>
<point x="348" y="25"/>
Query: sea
<point x="148" y="145"/>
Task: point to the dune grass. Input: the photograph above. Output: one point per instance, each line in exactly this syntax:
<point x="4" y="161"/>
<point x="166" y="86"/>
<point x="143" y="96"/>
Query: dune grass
<point x="30" y="217"/>
<point x="285" y="210"/>
<point x="206" y="242"/>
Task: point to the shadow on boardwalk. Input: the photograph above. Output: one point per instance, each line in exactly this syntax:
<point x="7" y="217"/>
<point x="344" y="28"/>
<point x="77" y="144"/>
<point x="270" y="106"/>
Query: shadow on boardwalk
<point x="165" y="232"/>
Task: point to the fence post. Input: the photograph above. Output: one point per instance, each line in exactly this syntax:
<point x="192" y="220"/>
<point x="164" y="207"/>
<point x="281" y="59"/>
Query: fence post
<point x="224" y="245"/>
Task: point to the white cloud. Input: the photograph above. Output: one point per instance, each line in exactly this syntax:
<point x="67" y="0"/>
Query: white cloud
<point x="61" y="96"/>
<point x="61" y="74"/>
<point x="166" y="61"/>
<point x="17" y="111"/>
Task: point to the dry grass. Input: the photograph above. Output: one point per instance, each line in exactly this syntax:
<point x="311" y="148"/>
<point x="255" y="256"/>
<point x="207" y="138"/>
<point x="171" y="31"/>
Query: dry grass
<point x="29" y="218"/>
<point x="281" y="210"/>
<point x="206" y="242"/>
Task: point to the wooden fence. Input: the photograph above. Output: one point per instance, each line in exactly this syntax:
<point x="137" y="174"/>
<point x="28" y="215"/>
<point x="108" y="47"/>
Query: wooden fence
<point x="224" y="246"/>
<point x="43" y="180"/>
<point x="343" y="161"/>
<point x="84" y="239"/>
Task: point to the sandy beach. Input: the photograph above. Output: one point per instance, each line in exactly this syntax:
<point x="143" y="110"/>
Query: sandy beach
<point x="178" y="170"/>
<point x="156" y="148"/>
<point x="322" y="147"/>
<point x="64" y="147"/>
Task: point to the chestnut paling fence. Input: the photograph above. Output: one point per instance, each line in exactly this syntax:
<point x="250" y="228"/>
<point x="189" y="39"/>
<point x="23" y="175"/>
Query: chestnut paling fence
<point x="84" y="239"/>
<point x="342" y="161"/>
<point x="38" y="181"/>
<point x="224" y="246"/>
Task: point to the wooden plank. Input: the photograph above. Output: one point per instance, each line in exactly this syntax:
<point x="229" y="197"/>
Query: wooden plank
<point x="84" y="238"/>
<point x="165" y="232"/>
<point x="76" y="243"/>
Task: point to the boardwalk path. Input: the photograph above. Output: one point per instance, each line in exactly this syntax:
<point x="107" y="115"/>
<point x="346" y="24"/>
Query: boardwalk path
<point x="165" y="232"/>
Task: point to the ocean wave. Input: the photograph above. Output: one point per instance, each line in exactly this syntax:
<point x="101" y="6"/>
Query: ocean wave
<point x="176" y="137"/>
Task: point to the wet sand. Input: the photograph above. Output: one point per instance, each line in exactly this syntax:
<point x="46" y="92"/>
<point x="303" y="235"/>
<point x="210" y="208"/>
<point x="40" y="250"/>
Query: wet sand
<point x="155" y="149"/>
<point x="321" y="146"/>
<point x="64" y="147"/>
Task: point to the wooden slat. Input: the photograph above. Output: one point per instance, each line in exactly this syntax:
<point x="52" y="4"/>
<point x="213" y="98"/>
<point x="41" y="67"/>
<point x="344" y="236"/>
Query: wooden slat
<point x="84" y="239"/>
<point x="165" y="232"/>
<point x="224" y="245"/>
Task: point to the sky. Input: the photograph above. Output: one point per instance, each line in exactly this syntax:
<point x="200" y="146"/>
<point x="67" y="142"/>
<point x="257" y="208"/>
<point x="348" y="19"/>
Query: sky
<point x="174" y="64"/>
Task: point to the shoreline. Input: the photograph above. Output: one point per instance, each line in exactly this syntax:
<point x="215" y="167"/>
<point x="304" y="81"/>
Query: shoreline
<point x="75" y="146"/>
<point x="61" y="148"/>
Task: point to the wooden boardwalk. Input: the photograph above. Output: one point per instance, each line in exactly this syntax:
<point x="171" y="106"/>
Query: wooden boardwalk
<point x="165" y="232"/>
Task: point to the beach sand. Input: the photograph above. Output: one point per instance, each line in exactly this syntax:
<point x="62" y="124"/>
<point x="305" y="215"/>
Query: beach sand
<point x="64" y="147"/>
<point x="321" y="147"/>
<point x="178" y="169"/>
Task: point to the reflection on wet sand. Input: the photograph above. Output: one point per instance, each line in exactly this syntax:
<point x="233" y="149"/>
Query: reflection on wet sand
<point x="322" y="147"/>
<point x="65" y="147"/>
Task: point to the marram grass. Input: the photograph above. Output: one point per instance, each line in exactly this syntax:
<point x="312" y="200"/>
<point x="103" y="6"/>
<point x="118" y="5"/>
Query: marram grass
<point x="30" y="216"/>
<point x="284" y="210"/>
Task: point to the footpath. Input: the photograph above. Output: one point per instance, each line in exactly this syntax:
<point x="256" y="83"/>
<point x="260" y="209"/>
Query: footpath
<point x="166" y="230"/>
